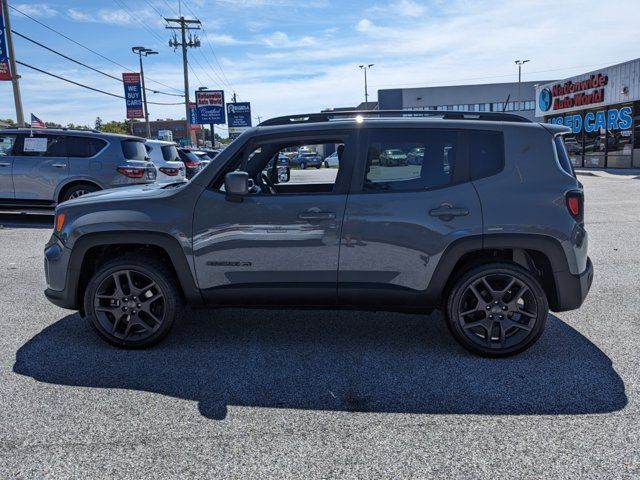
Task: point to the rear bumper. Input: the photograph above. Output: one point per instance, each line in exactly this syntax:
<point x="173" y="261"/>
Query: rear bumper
<point x="572" y="289"/>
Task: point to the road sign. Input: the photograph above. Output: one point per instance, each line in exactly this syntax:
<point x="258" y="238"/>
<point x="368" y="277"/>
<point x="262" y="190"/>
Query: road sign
<point x="210" y="106"/>
<point x="5" y="73"/>
<point x="133" y="95"/>
<point x="238" y="118"/>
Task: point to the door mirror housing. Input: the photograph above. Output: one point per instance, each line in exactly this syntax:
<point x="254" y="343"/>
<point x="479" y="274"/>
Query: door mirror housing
<point x="284" y="174"/>
<point x="236" y="185"/>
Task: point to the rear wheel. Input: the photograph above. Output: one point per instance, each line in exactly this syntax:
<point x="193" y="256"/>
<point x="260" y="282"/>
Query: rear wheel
<point x="132" y="303"/>
<point x="497" y="310"/>
<point x="79" y="190"/>
<point x="303" y="166"/>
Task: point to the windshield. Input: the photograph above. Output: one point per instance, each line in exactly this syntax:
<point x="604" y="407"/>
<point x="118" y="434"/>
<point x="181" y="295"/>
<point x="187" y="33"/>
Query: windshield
<point x="170" y="153"/>
<point x="134" y="150"/>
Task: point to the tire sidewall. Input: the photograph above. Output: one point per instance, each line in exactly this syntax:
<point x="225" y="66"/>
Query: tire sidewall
<point x="82" y="186"/>
<point x="463" y="282"/>
<point x="157" y="275"/>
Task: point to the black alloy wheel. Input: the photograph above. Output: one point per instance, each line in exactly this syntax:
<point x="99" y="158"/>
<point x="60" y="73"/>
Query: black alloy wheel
<point x="497" y="310"/>
<point x="131" y="303"/>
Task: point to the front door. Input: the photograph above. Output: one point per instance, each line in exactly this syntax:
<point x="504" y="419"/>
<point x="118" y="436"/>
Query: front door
<point x="40" y="165"/>
<point x="401" y="216"/>
<point x="6" y="164"/>
<point x="278" y="245"/>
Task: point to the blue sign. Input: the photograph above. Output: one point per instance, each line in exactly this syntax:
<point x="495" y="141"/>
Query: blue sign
<point x="612" y="119"/>
<point x="133" y="95"/>
<point x="193" y="115"/>
<point x="545" y="99"/>
<point x="210" y="106"/>
<point x="238" y="118"/>
<point x="5" y="73"/>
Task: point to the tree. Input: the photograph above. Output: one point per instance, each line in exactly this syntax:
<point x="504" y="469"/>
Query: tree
<point x="115" y="127"/>
<point x="98" y="124"/>
<point x="8" y="121"/>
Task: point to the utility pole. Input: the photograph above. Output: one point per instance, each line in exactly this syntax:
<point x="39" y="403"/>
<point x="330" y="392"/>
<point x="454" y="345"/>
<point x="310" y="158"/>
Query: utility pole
<point x="146" y="52"/>
<point x="12" y="64"/>
<point x="520" y="63"/>
<point x="194" y="42"/>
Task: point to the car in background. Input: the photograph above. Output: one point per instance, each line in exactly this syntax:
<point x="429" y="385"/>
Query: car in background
<point x="415" y="156"/>
<point x="332" y="160"/>
<point x="45" y="167"/>
<point x="211" y="152"/>
<point x="306" y="159"/>
<point x="203" y="156"/>
<point x="192" y="163"/>
<point x="393" y="158"/>
<point x="165" y="157"/>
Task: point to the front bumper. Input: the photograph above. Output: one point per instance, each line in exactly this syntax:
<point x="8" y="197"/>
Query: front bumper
<point x="56" y="269"/>
<point x="571" y="290"/>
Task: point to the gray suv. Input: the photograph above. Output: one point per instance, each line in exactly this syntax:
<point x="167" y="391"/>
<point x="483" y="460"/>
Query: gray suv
<point x="488" y="227"/>
<point x="41" y="168"/>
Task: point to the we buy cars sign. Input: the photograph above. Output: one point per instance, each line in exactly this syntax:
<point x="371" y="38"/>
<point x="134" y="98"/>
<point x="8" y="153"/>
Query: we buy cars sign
<point x="5" y="73"/>
<point x="133" y="95"/>
<point x="210" y="106"/>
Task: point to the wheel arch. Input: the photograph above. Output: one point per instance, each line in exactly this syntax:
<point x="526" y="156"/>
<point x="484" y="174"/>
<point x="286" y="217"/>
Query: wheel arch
<point x="92" y="250"/>
<point x="70" y="183"/>
<point x="542" y="255"/>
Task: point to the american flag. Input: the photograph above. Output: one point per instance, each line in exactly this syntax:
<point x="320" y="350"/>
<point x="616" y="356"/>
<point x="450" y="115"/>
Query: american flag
<point x="36" y="122"/>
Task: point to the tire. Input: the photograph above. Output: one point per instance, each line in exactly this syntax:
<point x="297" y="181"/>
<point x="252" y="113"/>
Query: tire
<point x="78" y="190"/>
<point x="326" y="164"/>
<point x="112" y="312"/>
<point x="506" y="313"/>
<point x="303" y="166"/>
<point x="318" y="167"/>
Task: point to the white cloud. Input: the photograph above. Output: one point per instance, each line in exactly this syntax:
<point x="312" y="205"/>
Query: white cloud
<point x="409" y="8"/>
<point x="226" y="40"/>
<point x="282" y="40"/>
<point x="41" y="10"/>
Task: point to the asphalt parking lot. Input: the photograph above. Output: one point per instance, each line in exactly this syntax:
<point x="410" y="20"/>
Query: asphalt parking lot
<point x="307" y="394"/>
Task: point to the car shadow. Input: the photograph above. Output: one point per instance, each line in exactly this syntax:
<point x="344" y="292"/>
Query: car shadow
<point x="329" y="360"/>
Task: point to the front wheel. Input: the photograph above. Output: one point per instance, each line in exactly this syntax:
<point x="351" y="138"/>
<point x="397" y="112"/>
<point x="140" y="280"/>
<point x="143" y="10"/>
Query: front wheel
<point x="497" y="310"/>
<point x="132" y="302"/>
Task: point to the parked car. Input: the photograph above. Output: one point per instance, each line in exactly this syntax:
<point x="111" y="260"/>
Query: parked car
<point x="393" y="158"/>
<point x="211" y="153"/>
<point x="306" y="159"/>
<point x="374" y="238"/>
<point x="415" y="156"/>
<point x="165" y="157"/>
<point x="192" y="163"/>
<point x="45" y="167"/>
<point x="331" y="160"/>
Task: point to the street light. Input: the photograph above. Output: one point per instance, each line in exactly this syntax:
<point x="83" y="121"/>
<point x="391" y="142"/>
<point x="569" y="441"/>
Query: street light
<point x="142" y="51"/>
<point x="366" y="93"/>
<point x="520" y="63"/>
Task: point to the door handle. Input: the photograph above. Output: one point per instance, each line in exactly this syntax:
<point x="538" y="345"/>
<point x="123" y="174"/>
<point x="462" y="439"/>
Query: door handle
<point x="316" y="216"/>
<point x="5" y="164"/>
<point x="59" y="165"/>
<point x="447" y="212"/>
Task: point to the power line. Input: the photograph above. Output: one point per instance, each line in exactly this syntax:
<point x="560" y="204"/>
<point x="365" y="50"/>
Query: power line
<point x="83" y="85"/>
<point x="86" y="48"/>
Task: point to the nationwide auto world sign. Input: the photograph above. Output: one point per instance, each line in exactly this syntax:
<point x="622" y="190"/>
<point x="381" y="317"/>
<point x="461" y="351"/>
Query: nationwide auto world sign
<point x="569" y="95"/>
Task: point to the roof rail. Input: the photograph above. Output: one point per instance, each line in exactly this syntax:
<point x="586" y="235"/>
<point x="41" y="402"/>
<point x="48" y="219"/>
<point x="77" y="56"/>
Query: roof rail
<point x="444" y="114"/>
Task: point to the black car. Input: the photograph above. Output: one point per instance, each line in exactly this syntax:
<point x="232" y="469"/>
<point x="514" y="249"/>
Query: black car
<point x="192" y="163"/>
<point x="306" y="159"/>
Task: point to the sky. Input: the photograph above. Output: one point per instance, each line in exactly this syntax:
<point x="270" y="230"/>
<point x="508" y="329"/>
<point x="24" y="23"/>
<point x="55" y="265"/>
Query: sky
<point x="287" y="56"/>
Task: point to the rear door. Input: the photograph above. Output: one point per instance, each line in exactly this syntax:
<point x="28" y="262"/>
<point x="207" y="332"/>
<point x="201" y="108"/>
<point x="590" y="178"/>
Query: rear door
<point x="39" y="166"/>
<point x="401" y="217"/>
<point x="7" y="142"/>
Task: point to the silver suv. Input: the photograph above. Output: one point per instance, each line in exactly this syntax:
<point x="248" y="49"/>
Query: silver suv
<point x="46" y="167"/>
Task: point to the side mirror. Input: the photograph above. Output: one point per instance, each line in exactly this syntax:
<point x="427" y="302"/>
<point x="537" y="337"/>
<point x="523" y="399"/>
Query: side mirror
<point x="236" y="185"/>
<point x="284" y="174"/>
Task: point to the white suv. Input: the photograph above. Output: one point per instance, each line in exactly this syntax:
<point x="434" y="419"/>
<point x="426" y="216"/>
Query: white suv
<point x="164" y="156"/>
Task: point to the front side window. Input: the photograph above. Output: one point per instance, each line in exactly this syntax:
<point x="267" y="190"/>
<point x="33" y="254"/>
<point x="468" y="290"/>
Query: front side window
<point x="410" y="159"/>
<point x="134" y="150"/>
<point x="6" y="145"/>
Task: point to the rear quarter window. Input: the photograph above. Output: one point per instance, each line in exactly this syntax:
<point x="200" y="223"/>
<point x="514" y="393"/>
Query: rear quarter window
<point x="170" y="153"/>
<point x="486" y="153"/>
<point x="134" y="150"/>
<point x="563" y="156"/>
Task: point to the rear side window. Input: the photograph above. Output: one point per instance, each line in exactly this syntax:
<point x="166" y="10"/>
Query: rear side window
<point x="170" y="153"/>
<point x="563" y="157"/>
<point x="134" y="150"/>
<point x="486" y="153"/>
<point x="84" y="147"/>
<point x="405" y="160"/>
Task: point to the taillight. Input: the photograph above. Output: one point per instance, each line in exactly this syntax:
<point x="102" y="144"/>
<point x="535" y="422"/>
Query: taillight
<point x="192" y="164"/>
<point x="172" y="172"/>
<point x="575" y="204"/>
<point x="131" y="172"/>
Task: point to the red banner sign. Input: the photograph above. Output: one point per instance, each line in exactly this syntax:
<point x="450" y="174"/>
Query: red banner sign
<point x="5" y="73"/>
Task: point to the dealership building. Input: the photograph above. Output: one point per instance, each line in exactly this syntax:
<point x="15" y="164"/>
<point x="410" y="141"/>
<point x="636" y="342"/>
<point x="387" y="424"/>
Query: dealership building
<point x="602" y="108"/>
